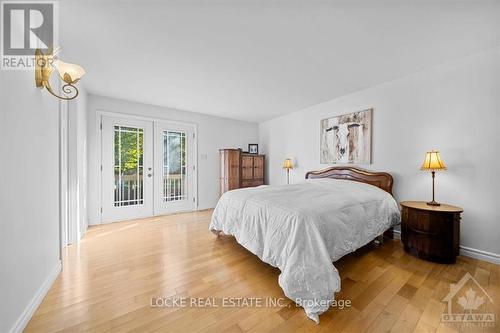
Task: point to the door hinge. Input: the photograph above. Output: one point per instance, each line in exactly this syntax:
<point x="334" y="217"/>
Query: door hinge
<point x="194" y="199"/>
<point x="101" y="167"/>
<point x="101" y="210"/>
<point x="194" y="135"/>
<point x="100" y="126"/>
<point x="194" y="167"/>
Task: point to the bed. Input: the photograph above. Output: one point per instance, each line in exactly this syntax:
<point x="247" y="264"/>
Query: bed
<point x="302" y="228"/>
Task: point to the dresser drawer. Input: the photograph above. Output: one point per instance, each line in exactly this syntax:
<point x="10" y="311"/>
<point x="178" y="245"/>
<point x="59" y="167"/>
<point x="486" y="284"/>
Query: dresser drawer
<point x="419" y="220"/>
<point x="426" y="222"/>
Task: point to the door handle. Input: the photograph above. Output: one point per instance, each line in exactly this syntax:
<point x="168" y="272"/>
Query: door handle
<point x="150" y="175"/>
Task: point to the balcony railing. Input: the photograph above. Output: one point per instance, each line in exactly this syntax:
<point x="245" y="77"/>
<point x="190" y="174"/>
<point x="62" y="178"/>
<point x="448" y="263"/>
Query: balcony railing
<point x="173" y="188"/>
<point x="129" y="191"/>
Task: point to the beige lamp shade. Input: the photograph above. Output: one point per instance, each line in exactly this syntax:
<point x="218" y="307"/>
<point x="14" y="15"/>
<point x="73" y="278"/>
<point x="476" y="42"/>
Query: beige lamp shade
<point x="288" y="164"/>
<point x="69" y="73"/>
<point x="433" y="161"/>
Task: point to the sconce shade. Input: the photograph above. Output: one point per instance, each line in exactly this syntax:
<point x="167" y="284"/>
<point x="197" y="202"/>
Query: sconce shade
<point x="288" y="164"/>
<point x="433" y="161"/>
<point x="69" y="73"/>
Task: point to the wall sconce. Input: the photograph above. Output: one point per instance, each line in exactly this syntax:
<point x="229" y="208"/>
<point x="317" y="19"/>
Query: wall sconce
<point x="69" y="73"/>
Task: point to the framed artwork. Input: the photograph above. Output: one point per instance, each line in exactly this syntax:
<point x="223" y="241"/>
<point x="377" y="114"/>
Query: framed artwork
<point x="346" y="139"/>
<point x="253" y="148"/>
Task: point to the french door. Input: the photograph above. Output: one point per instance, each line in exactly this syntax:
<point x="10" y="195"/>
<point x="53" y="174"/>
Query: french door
<point x="174" y="168"/>
<point x="147" y="168"/>
<point x="127" y="169"/>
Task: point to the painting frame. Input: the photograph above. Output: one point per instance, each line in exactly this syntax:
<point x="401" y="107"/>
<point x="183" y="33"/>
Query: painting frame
<point x="253" y="148"/>
<point x="347" y="138"/>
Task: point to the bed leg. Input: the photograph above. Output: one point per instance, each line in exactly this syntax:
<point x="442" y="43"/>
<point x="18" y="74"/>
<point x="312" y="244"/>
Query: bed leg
<point x="379" y="240"/>
<point x="389" y="233"/>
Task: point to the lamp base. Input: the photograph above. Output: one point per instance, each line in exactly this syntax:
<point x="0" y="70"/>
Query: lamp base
<point x="433" y="203"/>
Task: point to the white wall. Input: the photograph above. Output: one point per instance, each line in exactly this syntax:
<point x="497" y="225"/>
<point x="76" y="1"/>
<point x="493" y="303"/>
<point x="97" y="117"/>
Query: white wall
<point x="454" y="107"/>
<point x="29" y="200"/>
<point x="78" y="164"/>
<point x="214" y="133"/>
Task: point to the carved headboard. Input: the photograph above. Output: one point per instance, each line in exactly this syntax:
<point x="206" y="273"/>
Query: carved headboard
<point x="379" y="179"/>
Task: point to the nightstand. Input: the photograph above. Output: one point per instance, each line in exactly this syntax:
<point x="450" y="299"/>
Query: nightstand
<point x="431" y="232"/>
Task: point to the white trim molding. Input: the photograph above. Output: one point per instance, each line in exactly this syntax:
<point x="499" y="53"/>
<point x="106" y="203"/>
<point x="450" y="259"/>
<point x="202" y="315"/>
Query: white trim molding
<point x="479" y="254"/>
<point x="35" y="302"/>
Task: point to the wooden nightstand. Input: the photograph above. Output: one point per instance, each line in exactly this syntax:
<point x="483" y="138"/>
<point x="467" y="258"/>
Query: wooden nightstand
<point x="431" y="232"/>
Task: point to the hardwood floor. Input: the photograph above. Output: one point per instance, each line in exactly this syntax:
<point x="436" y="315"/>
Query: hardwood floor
<point x="109" y="279"/>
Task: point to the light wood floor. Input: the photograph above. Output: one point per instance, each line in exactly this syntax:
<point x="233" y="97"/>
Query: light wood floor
<point x="110" y="277"/>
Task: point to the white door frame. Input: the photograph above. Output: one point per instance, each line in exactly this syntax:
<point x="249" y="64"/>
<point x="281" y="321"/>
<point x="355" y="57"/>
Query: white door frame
<point x="98" y="126"/>
<point x="64" y="204"/>
<point x="69" y="230"/>
<point x="73" y="231"/>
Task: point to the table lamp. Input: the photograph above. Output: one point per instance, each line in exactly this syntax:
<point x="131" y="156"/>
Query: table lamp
<point x="287" y="165"/>
<point x="433" y="163"/>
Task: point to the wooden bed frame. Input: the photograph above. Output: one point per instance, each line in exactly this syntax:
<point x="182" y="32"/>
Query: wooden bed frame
<point x="382" y="180"/>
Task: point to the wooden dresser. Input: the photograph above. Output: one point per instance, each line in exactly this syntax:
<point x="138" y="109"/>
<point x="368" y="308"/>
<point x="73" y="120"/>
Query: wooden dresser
<point x="239" y="169"/>
<point x="431" y="232"/>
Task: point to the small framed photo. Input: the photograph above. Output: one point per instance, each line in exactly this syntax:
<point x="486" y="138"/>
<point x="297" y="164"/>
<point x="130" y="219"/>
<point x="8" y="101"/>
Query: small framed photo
<point x="253" y="148"/>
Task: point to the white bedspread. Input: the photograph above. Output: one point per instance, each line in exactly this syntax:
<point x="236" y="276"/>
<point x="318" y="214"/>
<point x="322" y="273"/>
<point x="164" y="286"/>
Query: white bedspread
<point x="303" y="228"/>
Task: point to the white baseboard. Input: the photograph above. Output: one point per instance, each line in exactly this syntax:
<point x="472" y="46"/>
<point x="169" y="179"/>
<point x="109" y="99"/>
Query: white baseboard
<point x="479" y="254"/>
<point x="83" y="231"/>
<point x="474" y="253"/>
<point x="396" y="234"/>
<point x="25" y="317"/>
<point x="94" y="221"/>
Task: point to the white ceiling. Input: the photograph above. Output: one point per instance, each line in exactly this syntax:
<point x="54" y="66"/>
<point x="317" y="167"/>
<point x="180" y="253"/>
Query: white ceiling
<point x="256" y="60"/>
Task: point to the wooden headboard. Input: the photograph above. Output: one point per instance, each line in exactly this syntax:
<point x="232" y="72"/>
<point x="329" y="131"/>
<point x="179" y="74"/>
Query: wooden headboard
<point x="379" y="179"/>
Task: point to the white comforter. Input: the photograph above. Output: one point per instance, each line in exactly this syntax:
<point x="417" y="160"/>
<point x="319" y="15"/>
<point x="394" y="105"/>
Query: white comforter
<point x="303" y="228"/>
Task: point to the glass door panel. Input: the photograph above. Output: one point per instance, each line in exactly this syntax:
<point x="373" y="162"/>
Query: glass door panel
<point x="174" y="166"/>
<point x="174" y="161"/>
<point x="127" y="164"/>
